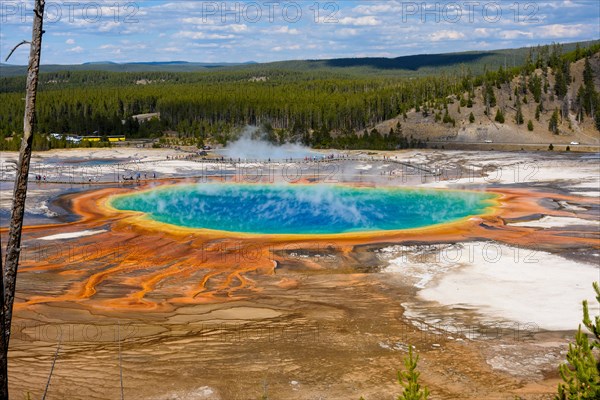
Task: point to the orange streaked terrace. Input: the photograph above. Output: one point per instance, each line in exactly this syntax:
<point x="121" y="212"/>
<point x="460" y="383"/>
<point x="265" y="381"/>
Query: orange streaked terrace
<point x="158" y="266"/>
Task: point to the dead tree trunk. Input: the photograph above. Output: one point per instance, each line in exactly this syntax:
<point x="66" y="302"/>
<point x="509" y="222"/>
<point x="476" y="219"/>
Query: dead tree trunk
<point x="3" y="345"/>
<point x="13" y="246"/>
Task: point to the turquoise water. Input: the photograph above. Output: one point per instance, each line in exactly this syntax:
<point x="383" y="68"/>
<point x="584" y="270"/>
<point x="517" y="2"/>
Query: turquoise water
<point x="302" y="209"/>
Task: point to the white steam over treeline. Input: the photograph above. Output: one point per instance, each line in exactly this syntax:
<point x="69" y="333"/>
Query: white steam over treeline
<point x="261" y="143"/>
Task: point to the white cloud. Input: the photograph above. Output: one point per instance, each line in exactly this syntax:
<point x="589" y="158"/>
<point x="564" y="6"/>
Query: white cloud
<point x="201" y="35"/>
<point x="205" y="45"/>
<point x="237" y="27"/>
<point x="198" y="21"/>
<point x="283" y="30"/>
<point x="109" y="26"/>
<point x="364" y="27"/>
<point x="561" y="31"/>
<point x="359" y="21"/>
<point x="390" y="7"/>
<point x="446" y="35"/>
<point x="483" y="32"/>
<point x="281" y="48"/>
<point x="514" y="34"/>
<point x="563" y="4"/>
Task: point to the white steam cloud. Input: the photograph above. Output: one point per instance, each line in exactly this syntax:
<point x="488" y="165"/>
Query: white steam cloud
<point x="254" y="146"/>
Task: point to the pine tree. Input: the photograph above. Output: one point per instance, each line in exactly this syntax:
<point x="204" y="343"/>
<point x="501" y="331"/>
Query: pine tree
<point x="409" y="379"/>
<point x="581" y="375"/>
<point x="553" y="124"/>
<point x="588" y="73"/>
<point x="489" y="96"/>
<point x="519" y="119"/>
<point x="535" y="86"/>
<point x="499" y="116"/>
<point x="530" y="125"/>
<point x="472" y="118"/>
<point x="561" y="84"/>
<point x="588" y="95"/>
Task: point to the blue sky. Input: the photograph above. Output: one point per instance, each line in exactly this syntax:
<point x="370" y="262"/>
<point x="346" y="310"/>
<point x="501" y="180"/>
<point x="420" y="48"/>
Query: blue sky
<point x="80" y="31"/>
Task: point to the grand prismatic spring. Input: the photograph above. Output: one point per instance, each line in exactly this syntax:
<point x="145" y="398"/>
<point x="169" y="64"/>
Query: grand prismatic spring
<point x="217" y="283"/>
<point x="302" y="209"/>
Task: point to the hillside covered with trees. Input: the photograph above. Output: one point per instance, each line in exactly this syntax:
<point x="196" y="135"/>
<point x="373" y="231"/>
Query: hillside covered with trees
<point x="320" y="108"/>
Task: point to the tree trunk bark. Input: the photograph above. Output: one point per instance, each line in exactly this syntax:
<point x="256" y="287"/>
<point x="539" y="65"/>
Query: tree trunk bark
<point x="3" y="345"/>
<point x="13" y="246"/>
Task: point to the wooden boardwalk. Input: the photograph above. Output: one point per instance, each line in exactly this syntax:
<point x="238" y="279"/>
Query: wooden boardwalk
<point x="214" y="167"/>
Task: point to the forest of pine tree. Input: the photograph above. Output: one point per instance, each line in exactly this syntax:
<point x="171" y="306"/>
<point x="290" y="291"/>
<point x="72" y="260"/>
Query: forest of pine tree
<point x="320" y="109"/>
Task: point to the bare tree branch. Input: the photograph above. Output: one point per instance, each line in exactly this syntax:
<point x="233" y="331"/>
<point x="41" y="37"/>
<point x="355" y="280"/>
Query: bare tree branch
<point x="16" y="47"/>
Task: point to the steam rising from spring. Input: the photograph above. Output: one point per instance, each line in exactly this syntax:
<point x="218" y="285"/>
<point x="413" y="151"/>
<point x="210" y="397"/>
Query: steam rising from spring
<point x="253" y="145"/>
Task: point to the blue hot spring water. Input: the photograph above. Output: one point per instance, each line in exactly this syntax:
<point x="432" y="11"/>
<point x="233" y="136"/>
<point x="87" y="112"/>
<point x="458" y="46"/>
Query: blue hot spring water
<point x="302" y="209"/>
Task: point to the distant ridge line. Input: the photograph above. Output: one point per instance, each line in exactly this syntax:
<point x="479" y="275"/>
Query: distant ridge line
<point x="408" y="65"/>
